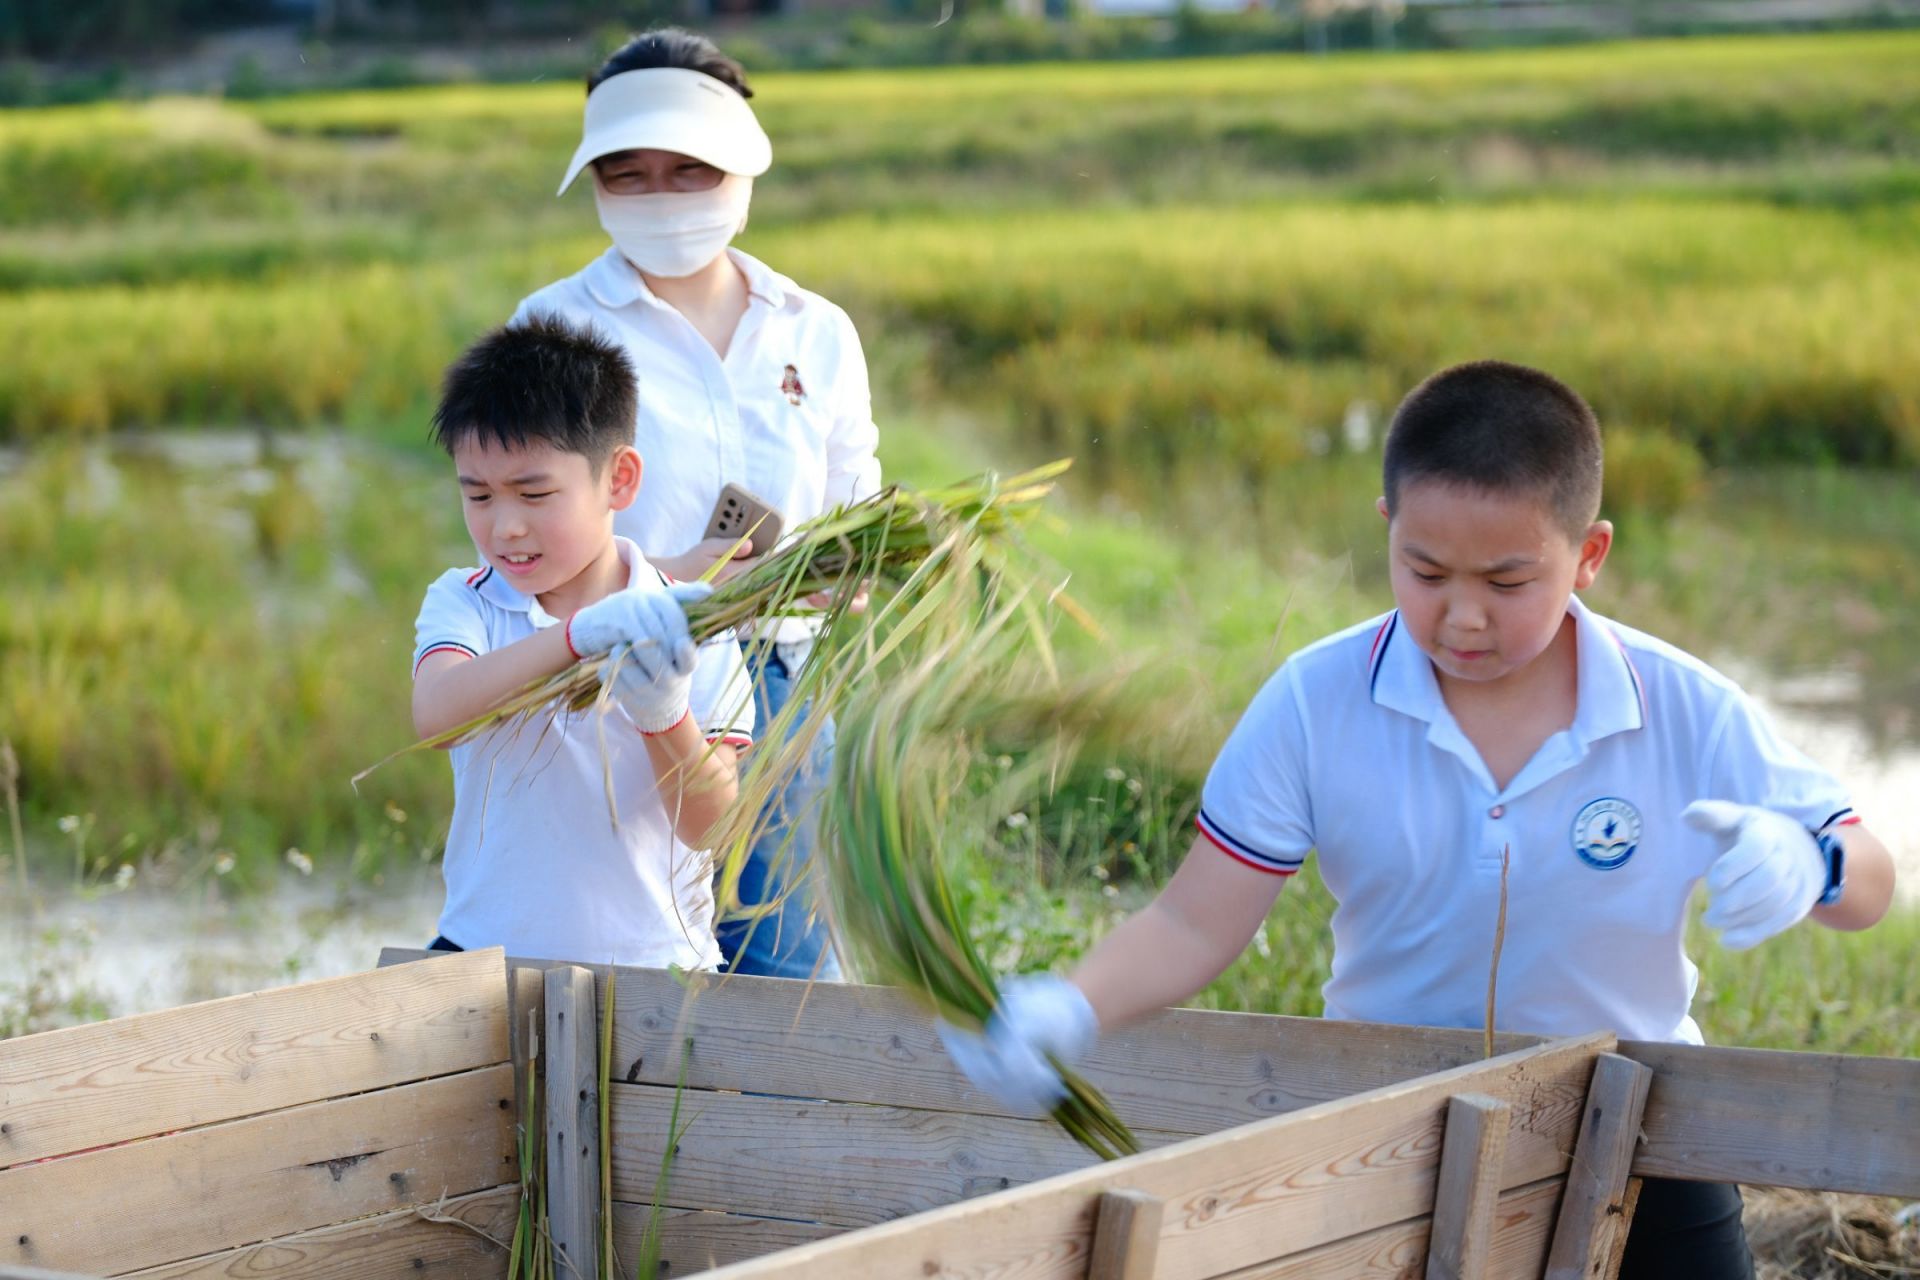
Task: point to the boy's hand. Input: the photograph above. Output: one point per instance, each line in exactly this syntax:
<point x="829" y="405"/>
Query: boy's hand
<point x="1768" y="876"/>
<point x="655" y="675"/>
<point x="1040" y="1017"/>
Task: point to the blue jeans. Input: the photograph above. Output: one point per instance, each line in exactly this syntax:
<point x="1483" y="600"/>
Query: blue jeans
<point x="792" y="939"/>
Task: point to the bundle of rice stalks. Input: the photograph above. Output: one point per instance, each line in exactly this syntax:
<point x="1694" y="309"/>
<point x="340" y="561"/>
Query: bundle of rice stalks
<point x="896" y="807"/>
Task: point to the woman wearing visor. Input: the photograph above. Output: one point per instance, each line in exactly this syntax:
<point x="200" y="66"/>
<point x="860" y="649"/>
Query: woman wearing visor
<point x="745" y="379"/>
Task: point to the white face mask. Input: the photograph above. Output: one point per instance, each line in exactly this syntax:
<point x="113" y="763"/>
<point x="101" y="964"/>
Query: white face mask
<point x="675" y="233"/>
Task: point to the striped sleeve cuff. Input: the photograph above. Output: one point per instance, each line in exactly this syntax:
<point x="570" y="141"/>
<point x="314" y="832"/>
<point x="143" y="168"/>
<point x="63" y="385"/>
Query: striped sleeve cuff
<point x="731" y="738"/>
<point x="442" y="646"/>
<point x="1241" y="851"/>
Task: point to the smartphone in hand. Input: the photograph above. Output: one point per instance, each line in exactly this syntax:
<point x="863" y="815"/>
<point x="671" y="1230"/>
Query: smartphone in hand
<point x="739" y="514"/>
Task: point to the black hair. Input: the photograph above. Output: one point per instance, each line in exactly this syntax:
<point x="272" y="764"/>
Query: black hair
<point x="540" y="381"/>
<point x="673" y="47"/>
<point x="1499" y="428"/>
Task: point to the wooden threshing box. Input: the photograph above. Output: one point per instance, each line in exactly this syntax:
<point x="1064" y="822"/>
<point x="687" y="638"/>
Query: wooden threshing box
<point x="824" y="1133"/>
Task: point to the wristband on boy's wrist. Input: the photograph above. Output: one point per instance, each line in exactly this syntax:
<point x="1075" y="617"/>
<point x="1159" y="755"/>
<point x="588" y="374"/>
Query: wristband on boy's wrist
<point x="1835" y="853"/>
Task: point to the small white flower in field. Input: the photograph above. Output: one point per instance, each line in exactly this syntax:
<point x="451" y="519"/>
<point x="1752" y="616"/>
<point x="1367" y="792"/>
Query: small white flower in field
<point x="69" y="824"/>
<point x="1017" y="820"/>
<point x="300" y="862"/>
<point x="1112" y="891"/>
<point x="222" y="863"/>
<point x="1005" y="762"/>
<point x="1263" y="944"/>
<point x="1115" y="774"/>
<point x="395" y="813"/>
<point x="124" y="876"/>
<point x="1101" y="873"/>
<point x="1134" y="786"/>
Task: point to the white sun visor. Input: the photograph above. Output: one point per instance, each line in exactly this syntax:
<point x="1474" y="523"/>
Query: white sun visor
<point x="672" y="109"/>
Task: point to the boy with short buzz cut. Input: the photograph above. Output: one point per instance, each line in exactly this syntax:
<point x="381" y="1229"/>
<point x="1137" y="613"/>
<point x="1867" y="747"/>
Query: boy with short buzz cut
<point x="1490" y="712"/>
<point x="539" y="420"/>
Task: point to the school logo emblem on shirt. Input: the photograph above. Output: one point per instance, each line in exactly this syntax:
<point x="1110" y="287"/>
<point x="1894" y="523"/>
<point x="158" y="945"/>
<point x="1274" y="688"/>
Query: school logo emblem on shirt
<point x="1606" y="833"/>
<point x="790" y="386"/>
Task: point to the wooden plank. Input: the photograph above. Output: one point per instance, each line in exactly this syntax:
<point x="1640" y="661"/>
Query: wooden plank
<point x="38" y="1273"/>
<point x="1816" y="1121"/>
<point x="1126" y="1235"/>
<point x="1241" y="1197"/>
<point x="1594" y="1208"/>
<point x="231" y="1184"/>
<point x="82" y="1087"/>
<point x="1521" y="1226"/>
<point x="693" y="1240"/>
<point x="402" y="1243"/>
<point x="855" y="1043"/>
<point x="846" y="1164"/>
<point x="1472" y="1155"/>
<point x="1182" y="1071"/>
<point x="1629" y="1201"/>
<point x="526" y="1023"/>
<point x="572" y="1089"/>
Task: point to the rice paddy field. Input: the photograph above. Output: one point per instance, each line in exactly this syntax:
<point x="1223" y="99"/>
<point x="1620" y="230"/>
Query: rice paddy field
<point x="222" y="323"/>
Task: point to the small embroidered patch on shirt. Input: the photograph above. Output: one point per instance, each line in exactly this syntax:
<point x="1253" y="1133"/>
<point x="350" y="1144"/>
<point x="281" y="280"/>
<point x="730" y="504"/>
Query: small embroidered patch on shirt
<point x="790" y="386"/>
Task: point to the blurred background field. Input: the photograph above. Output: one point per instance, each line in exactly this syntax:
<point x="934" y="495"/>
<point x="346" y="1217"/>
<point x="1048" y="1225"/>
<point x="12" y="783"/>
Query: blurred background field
<point x="222" y="322"/>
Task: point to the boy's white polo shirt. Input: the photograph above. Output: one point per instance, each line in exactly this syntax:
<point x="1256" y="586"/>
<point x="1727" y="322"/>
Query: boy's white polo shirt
<point x="534" y="861"/>
<point x="1350" y="749"/>
<point x="787" y="414"/>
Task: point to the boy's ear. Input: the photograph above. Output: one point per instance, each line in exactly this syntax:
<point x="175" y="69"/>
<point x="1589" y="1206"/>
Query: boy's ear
<point x="1594" y="546"/>
<point x="624" y="470"/>
<point x="1380" y="505"/>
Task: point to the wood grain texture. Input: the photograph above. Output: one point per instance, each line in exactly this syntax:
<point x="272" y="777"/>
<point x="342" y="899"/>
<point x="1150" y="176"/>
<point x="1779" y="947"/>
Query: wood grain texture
<point x="1182" y="1071"/>
<point x="1126" y="1236"/>
<point x="230" y="1184"/>
<point x="1521" y="1226"/>
<point x="572" y="1092"/>
<point x="1238" y="1198"/>
<point x="1473" y="1154"/>
<point x="83" y="1087"/>
<point x="1594" y="1209"/>
<point x="1816" y="1121"/>
<point x="845" y="1164"/>
<point x="693" y="1240"/>
<point x="386" y="1247"/>
<point x="856" y="1043"/>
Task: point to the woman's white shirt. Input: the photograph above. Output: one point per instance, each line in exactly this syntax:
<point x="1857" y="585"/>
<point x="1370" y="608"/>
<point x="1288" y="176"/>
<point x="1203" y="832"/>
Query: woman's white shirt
<point x="787" y="414"/>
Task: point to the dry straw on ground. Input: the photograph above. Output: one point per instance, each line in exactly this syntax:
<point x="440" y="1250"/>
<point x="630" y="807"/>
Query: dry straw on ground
<point x="1803" y="1235"/>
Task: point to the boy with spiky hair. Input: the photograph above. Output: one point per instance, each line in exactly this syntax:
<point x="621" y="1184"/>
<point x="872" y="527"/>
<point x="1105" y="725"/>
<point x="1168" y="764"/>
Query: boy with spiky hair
<point x="1491" y="713"/>
<point x="539" y="420"/>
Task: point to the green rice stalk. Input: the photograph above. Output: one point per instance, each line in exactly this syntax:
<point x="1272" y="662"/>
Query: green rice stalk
<point x="653" y="1239"/>
<point x="903" y="743"/>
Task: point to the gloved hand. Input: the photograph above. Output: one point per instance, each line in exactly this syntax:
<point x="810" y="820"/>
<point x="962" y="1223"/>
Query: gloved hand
<point x="655" y="675"/>
<point x="1040" y="1015"/>
<point x="1769" y="874"/>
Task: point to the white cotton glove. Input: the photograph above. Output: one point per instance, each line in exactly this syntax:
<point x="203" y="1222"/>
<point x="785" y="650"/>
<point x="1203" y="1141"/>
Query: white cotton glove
<point x="1769" y="874"/>
<point x="655" y="673"/>
<point x="1040" y="1016"/>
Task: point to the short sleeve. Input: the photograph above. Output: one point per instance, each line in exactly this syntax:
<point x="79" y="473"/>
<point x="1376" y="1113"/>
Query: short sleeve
<point x="1255" y="805"/>
<point x="853" y="471"/>
<point x="452" y="619"/>
<point x="722" y="694"/>
<point x="1752" y="764"/>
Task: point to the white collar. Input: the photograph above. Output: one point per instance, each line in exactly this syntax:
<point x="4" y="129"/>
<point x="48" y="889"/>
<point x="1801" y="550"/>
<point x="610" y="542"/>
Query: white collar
<point x="614" y="282"/>
<point x="1611" y="698"/>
